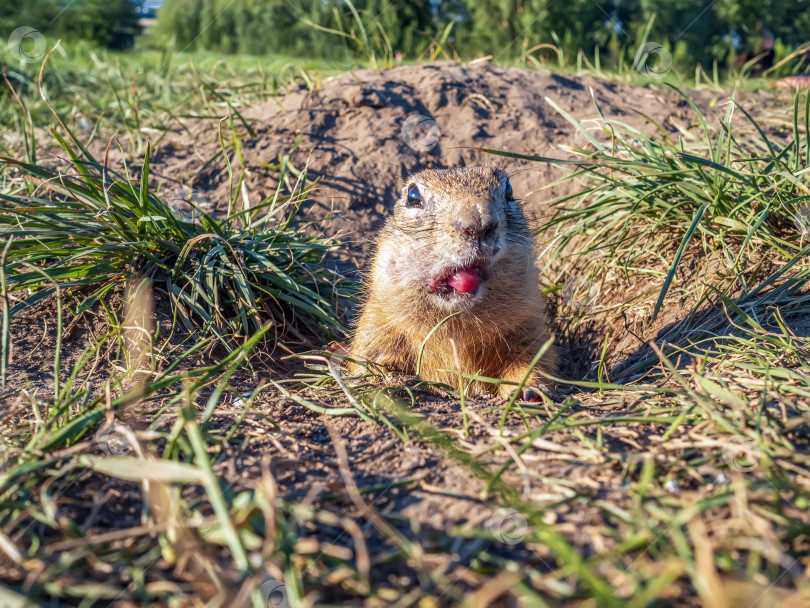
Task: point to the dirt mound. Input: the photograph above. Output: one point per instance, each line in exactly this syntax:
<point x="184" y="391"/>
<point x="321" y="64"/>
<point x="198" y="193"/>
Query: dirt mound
<point x="361" y="133"/>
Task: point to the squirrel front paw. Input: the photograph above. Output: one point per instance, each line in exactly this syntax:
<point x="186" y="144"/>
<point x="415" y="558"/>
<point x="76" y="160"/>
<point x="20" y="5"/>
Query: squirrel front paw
<point x="528" y="394"/>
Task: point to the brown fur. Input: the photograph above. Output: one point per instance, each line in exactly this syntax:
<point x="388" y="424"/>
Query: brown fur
<point x="497" y="333"/>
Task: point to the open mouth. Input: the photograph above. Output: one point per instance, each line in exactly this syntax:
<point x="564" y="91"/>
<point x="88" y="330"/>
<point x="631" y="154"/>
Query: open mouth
<point x="458" y="281"/>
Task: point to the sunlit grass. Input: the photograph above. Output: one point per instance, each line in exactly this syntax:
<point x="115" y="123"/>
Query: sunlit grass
<point x="94" y="229"/>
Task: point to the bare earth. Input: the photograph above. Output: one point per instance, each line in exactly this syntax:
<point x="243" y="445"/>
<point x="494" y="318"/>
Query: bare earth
<point x="362" y="133"/>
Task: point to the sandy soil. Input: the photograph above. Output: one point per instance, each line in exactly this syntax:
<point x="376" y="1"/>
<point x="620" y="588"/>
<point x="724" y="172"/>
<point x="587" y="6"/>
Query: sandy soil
<point x="362" y="133"/>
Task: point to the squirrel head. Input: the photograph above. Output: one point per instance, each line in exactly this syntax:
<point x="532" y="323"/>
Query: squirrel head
<point x="455" y="238"/>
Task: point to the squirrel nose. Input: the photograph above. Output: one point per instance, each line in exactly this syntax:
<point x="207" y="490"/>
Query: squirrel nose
<point x="475" y="230"/>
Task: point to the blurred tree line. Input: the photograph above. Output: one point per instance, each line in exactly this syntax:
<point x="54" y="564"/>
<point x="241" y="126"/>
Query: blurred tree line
<point x="695" y="31"/>
<point x="109" y="23"/>
<point x="292" y="26"/>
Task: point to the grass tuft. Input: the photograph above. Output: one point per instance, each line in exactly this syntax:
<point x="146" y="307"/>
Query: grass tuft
<point x="90" y="229"/>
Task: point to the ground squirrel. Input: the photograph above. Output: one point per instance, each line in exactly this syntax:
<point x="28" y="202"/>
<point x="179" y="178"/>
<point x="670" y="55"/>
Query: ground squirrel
<point x="457" y="241"/>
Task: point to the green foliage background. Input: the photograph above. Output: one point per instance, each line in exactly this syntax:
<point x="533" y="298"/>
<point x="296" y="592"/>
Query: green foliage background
<point x="109" y="23"/>
<point x="266" y="26"/>
<point x="696" y="31"/>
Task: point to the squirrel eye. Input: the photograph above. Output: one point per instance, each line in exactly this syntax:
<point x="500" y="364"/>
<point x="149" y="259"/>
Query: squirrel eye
<point x="508" y="192"/>
<point x="414" y="197"/>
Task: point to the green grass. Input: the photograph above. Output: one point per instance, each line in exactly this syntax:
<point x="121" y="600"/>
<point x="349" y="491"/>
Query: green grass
<point x="154" y="470"/>
<point x="140" y="94"/>
<point x="735" y="196"/>
<point x="93" y="229"/>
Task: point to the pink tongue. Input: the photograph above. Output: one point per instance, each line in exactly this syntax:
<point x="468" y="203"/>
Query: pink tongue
<point x="464" y="280"/>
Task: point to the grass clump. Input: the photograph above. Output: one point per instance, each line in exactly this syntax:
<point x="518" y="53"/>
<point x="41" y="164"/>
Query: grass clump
<point x="733" y="192"/>
<point x="91" y="229"/>
<point x="730" y="194"/>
